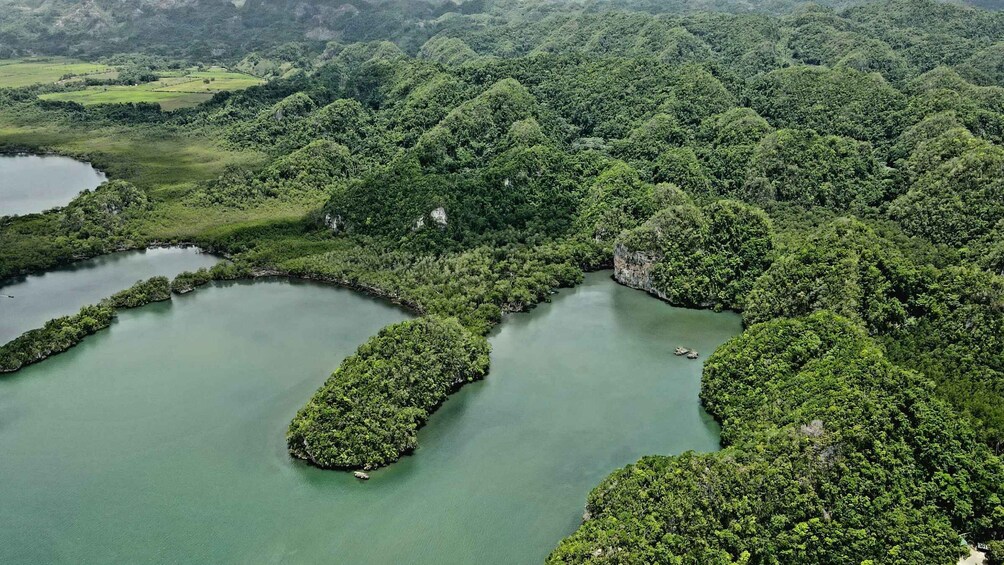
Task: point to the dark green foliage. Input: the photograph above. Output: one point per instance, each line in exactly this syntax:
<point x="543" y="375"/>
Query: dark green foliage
<point x="447" y="50"/>
<point x="104" y="212"/>
<point x="845" y="268"/>
<point x="696" y="95"/>
<point x="681" y="167"/>
<point x="651" y="138"/>
<point x="835" y="456"/>
<point x="155" y="289"/>
<point x="697" y="257"/>
<point x="495" y="150"/>
<point x="188" y="281"/>
<point x="475" y="130"/>
<point x="959" y="343"/>
<point x="836" y="101"/>
<point x="55" y="336"/>
<point x="995" y="555"/>
<point x="804" y="167"/>
<point x="97" y="221"/>
<point x="368" y="412"/>
<point x="228" y="271"/>
<point x="477" y="285"/>
<point x="616" y="201"/>
<point x="527" y="191"/>
<point x="726" y="144"/>
<point x="285" y="120"/>
<point x="60" y="334"/>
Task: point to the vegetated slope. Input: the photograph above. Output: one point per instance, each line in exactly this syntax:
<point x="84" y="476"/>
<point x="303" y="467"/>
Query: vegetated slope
<point x="833" y="454"/>
<point x="833" y="175"/>
<point x="369" y="411"/>
<point x="224" y="28"/>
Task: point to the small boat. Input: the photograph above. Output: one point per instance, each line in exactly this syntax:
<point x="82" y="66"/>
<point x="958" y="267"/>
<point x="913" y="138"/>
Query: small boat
<point x="692" y="355"/>
<point x="361" y="476"/>
<point x="681" y="351"/>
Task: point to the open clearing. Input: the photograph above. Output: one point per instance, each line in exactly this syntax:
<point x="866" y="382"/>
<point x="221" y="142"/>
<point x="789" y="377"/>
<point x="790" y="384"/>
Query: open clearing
<point x="171" y="91"/>
<point x="18" y="73"/>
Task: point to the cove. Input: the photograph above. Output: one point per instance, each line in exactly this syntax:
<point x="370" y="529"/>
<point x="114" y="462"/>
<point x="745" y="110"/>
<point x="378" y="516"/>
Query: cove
<point x="32" y="183"/>
<point x="161" y="440"/>
<point x="40" y="298"/>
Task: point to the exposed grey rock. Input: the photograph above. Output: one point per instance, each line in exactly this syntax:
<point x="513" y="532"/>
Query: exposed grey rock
<point x="334" y="222"/>
<point x="634" y="269"/>
<point x="438" y="216"/>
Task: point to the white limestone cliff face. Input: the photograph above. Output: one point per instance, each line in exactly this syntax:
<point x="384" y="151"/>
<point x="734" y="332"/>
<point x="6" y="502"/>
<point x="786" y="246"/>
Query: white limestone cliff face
<point x="634" y="269"/>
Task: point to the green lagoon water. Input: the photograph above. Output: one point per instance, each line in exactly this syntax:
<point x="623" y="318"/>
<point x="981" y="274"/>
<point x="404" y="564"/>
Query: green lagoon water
<point x="40" y="298"/>
<point x="32" y="183"/>
<point x="161" y="440"/>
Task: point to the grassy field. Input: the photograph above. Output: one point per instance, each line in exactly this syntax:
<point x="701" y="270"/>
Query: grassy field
<point x="17" y="73"/>
<point x="166" y="165"/>
<point x="171" y="91"/>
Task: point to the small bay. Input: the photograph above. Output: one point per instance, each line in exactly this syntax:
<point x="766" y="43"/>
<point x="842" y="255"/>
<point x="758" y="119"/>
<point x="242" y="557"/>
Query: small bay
<point x="161" y="440"/>
<point x="33" y="183"/>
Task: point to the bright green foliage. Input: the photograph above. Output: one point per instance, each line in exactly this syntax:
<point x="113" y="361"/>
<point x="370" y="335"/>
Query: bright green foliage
<point x="155" y="289"/>
<point x="616" y="201"/>
<point x="959" y="201"/>
<point x="55" y="336"/>
<point x="309" y="173"/>
<point x="699" y="257"/>
<point x="368" y="412"/>
<point x="804" y="167"/>
<point x="474" y="130"/>
<point x="836" y="456"/>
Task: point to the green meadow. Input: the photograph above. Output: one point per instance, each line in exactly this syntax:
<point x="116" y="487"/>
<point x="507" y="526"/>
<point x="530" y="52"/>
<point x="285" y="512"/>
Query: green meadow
<point x="17" y="73"/>
<point x="171" y="91"/>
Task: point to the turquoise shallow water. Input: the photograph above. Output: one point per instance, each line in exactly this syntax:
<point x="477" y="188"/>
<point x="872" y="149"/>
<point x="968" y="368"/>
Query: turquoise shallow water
<point x="31" y="183"/>
<point x="161" y="440"/>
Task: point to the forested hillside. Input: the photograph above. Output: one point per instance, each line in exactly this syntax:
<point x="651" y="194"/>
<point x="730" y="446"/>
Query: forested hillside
<point x="203" y="29"/>
<point x="833" y="172"/>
